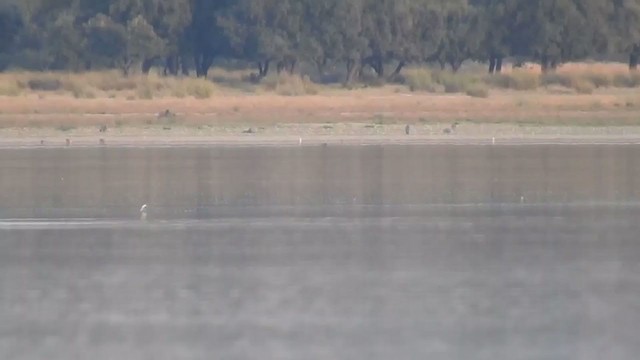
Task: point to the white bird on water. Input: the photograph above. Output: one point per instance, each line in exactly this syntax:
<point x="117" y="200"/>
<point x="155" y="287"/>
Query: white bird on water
<point x="143" y="212"/>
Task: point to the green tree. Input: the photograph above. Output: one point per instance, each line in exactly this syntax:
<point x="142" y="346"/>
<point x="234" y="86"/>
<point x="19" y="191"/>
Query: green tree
<point x="11" y="24"/>
<point x="625" y="30"/>
<point x="263" y="31"/>
<point x="204" y="37"/>
<point x="106" y="41"/>
<point x="463" y="35"/>
<point x="122" y="46"/>
<point x="349" y="35"/>
<point x="557" y="31"/>
<point x="418" y="27"/>
<point x="65" y="42"/>
<point x="168" y="19"/>
<point x="333" y="33"/>
<point x="142" y="42"/>
<point x="501" y="31"/>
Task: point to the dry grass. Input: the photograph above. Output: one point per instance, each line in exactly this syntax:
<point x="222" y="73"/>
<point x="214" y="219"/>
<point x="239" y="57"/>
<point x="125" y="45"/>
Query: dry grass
<point x="586" y="77"/>
<point x="518" y="79"/>
<point x="421" y="79"/>
<point x="106" y="84"/>
<point x="575" y="93"/>
<point x="610" y="106"/>
<point x="10" y="88"/>
<point x="289" y="85"/>
<point x="478" y="91"/>
<point x="582" y="78"/>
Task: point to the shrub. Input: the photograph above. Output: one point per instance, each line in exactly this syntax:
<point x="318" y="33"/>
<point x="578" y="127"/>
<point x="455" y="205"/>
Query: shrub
<point x="557" y="79"/>
<point x="44" y="84"/>
<point x="179" y="91"/>
<point x="78" y="88"/>
<point x="596" y="79"/>
<point x="10" y="88"/>
<point x="112" y="81"/>
<point x="372" y="80"/>
<point x="580" y="82"/>
<point x="583" y="86"/>
<point x="418" y="80"/>
<point x="453" y="82"/>
<point x="478" y="90"/>
<point x="628" y="80"/>
<point x="599" y="78"/>
<point x="83" y="94"/>
<point x="144" y="91"/>
<point x="199" y="88"/>
<point x="289" y="85"/>
<point x="516" y="80"/>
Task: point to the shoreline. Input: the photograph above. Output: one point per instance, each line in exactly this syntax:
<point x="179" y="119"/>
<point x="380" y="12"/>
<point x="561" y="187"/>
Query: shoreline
<point x="297" y="141"/>
<point x="375" y="116"/>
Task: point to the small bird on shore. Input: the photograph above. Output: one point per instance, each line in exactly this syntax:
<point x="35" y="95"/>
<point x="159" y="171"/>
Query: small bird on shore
<point x="68" y="142"/>
<point x="451" y="129"/>
<point x="407" y="129"/>
<point x="167" y="114"/>
<point x="102" y="142"/>
<point x="143" y="212"/>
<point x="103" y="128"/>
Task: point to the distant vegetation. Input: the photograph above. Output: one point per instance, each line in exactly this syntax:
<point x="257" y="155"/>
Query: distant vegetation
<point x="378" y="37"/>
<point x="580" y="78"/>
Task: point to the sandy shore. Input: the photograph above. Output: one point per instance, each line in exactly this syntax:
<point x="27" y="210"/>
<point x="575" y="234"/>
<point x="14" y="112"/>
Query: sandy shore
<point x="369" y="116"/>
<point x="320" y="134"/>
<point x="372" y="106"/>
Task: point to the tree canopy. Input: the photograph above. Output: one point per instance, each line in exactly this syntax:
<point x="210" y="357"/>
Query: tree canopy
<point x="277" y="35"/>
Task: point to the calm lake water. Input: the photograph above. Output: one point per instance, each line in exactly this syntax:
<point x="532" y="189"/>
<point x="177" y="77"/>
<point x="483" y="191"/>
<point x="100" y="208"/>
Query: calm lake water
<point x="381" y="252"/>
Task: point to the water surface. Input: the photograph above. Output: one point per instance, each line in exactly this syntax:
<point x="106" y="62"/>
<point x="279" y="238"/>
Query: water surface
<point x="461" y="252"/>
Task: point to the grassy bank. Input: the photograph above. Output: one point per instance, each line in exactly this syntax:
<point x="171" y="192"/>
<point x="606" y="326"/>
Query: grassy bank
<point x="576" y="94"/>
<point x="579" y="78"/>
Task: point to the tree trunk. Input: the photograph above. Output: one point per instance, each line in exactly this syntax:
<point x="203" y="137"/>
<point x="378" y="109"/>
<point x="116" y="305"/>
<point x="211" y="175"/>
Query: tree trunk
<point x="184" y="67"/>
<point x="352" y="69"/>
<point x="499" y="65"/>
<point x="492" y="65"/>
<point x="360" y="71"/>
<point x="443" y="64"/>
<point x="146" y="65"/>
<point x="263" y="68"/>
<point x="544" y="64"/>
<point x="321" y="65"/>
<point x="203" y="63"/>
<point x="399" y="68"/>
<point x="126" y="67"/>
<point x="292" y="66"/>
<point x="380" y="67"/>
<point x="633" y="61"/>
<point x="375" y="62"/>
<point x="171" y="65"/>
<point x="455" y="65"/>
<point x="377" y="65"/>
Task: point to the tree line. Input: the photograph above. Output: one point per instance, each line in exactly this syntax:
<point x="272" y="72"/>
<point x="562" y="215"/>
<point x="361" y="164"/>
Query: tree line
<point x="184" y="36"/>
